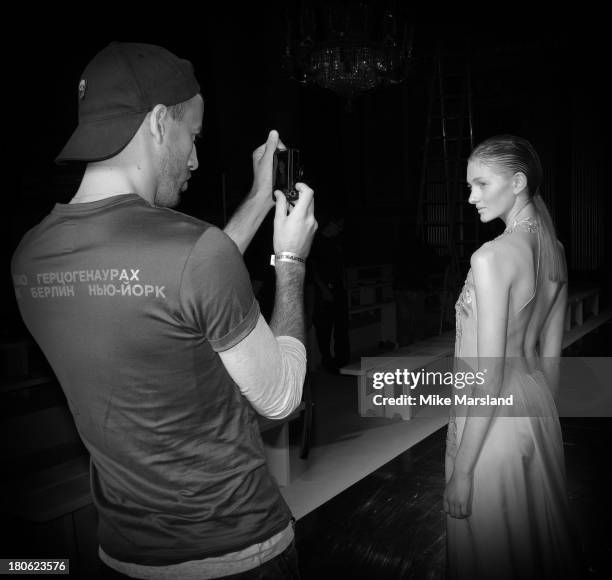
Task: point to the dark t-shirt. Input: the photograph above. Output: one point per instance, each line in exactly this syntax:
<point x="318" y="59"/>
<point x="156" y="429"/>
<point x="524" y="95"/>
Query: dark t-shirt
<point x="131" y="304"/>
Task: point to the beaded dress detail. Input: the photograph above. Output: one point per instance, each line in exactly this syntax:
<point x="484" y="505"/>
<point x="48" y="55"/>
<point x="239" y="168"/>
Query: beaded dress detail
<point x="519" y="523"/>
<point x="467" y="293"/>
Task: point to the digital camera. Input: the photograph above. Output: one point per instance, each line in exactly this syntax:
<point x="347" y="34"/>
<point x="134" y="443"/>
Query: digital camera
<point x="287" y="172"/>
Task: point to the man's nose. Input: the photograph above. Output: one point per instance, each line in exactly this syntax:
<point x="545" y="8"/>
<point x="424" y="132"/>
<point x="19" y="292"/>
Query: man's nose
<point x="193" y="159"/>
<point x="473" y="199"/>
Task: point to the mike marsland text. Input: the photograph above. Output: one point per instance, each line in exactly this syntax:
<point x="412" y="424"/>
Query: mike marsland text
<point x="440" y="401"/>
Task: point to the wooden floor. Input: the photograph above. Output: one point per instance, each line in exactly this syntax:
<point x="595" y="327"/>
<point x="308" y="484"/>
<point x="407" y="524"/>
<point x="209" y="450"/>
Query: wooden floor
<point x="368" y="499"/>
<point x="345" y="446"/>
<point x="390" y="523"/>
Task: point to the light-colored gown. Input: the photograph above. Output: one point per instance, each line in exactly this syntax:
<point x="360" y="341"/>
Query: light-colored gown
<point x="520" y="525"/>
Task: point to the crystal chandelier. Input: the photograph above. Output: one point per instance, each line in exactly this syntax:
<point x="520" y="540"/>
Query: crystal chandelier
<point x="348" y="48"/>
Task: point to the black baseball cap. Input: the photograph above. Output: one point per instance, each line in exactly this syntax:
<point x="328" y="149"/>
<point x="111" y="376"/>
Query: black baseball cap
<point x="119" y="86"/>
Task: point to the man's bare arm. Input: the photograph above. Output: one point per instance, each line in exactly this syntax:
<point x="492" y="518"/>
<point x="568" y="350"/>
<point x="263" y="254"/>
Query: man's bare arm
<point x="246" y="220"/>
<point x="269" y="365"/>
<point x="288" y="314"/>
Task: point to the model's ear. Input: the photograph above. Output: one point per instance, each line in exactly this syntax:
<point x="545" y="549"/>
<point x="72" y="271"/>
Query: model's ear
<point x="157" y="123"/>
<point x="519" y="182"/>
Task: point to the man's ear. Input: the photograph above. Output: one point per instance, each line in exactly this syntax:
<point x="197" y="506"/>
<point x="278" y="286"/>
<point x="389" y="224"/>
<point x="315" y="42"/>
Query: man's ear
<point x="519" y="182"/>
<point x="157" y="123"/>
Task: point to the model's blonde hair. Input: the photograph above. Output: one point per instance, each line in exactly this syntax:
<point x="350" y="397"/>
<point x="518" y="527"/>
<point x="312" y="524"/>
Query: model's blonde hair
<point x="516" y="155"/>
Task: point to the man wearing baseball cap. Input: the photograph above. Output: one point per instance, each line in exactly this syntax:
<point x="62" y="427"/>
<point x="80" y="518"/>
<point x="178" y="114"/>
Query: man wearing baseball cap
<point x="148" y="319"/>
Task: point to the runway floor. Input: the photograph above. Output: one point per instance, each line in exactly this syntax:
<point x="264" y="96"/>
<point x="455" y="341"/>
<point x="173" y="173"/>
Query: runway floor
<point x="388" y="522"/>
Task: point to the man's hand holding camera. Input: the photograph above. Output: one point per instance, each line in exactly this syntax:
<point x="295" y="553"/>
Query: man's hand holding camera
<point x="295" y="226"/>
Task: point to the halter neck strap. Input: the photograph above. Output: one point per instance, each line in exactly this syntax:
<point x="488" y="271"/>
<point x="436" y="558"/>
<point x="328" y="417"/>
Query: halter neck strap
<point x="527" y="224"/>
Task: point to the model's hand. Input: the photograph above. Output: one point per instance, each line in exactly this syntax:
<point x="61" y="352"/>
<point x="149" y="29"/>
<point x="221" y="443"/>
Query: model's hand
<point x="458" y="495"/>
<point x="295" y="227"/>
<point x="263" y="163"/>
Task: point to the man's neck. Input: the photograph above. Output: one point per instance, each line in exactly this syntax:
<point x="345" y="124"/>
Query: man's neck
<point x="83" y="198"/>
<point x="102" y="182"/>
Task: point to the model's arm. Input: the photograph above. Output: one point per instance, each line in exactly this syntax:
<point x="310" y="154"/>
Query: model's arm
<point x="246" y="220"/>
<point x="269" y="364"/>
<point x="492" y="297"/>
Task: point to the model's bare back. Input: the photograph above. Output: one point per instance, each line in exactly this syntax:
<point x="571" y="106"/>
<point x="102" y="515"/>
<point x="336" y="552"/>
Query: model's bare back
<point x="537" y="304"/>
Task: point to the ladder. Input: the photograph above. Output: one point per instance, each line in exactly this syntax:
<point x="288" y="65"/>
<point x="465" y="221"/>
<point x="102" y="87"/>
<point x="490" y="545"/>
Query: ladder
<point x="445" y="221"/>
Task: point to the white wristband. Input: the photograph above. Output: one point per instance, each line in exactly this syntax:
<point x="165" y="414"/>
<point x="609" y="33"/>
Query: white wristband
<point x="285" y="257"/>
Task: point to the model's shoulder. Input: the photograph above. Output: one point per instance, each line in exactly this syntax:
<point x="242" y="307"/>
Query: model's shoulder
<point x="507" y="245"/>
<point x="496" y="258"/>
<point x="487" y="255"/>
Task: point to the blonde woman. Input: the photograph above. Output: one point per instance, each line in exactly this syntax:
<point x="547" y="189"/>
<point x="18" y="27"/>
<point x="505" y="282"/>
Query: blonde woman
<point x="507" y="509"/>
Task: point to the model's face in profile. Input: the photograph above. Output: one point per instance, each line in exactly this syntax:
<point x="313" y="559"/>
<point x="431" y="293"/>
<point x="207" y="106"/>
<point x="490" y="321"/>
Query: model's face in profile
<point x="491" y="190"/>
<point x="180" y="157"/>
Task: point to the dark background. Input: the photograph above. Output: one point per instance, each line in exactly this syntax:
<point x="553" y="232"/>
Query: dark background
<point x="540" y="77"/>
